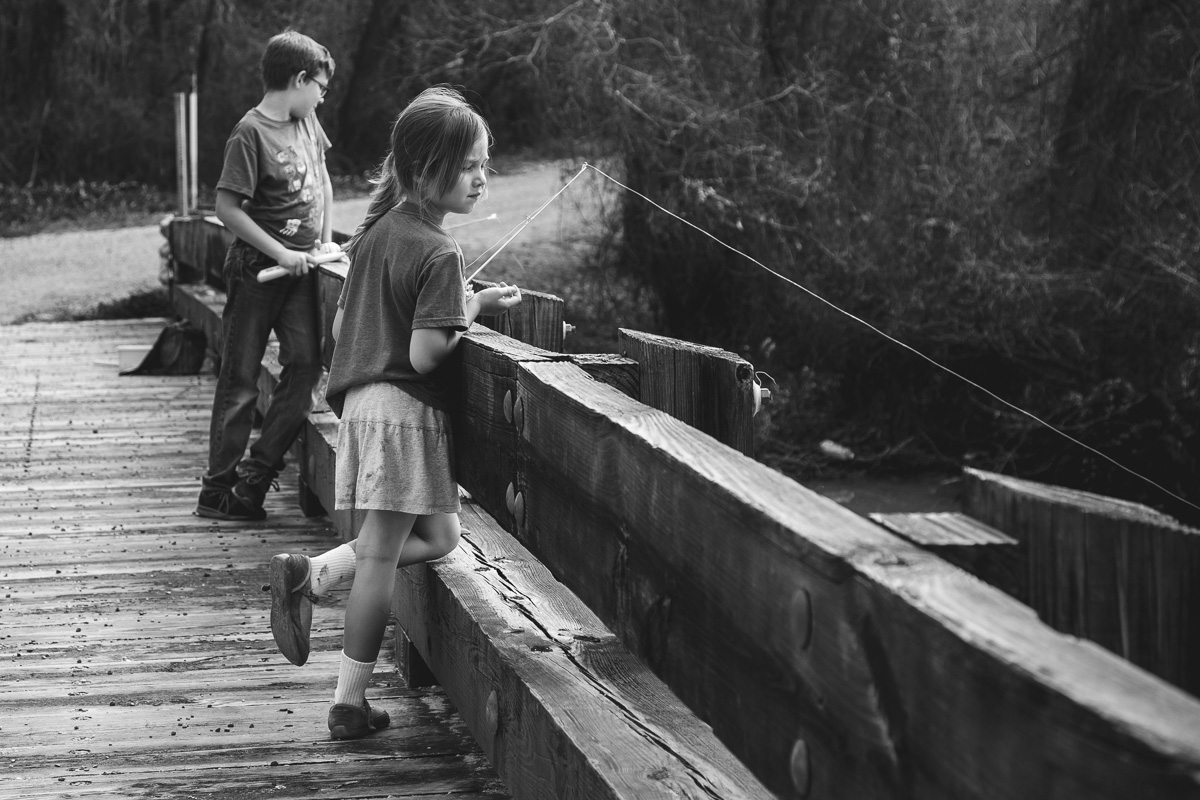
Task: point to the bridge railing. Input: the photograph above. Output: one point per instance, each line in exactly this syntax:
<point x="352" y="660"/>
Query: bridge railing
<point x="831" y="657"/>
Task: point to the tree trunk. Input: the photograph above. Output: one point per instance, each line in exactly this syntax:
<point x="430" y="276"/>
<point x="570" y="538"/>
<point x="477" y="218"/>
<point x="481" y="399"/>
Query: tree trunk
<point x="377" y="67"/>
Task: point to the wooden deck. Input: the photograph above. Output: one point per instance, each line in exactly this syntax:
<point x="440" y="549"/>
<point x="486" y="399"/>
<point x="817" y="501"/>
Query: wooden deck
<point x="135" y="653"/>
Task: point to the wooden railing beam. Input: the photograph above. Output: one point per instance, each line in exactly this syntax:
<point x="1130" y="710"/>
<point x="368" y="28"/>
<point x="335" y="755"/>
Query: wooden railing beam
<point x="1119" y="573"/>
<point x="820" y="647"/>
<point x="710" y="389"/>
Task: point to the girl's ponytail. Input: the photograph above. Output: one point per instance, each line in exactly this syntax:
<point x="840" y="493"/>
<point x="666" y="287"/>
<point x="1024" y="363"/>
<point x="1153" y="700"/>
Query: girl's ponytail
<point x="387" y="195"/>
<point x="430" y="138"/>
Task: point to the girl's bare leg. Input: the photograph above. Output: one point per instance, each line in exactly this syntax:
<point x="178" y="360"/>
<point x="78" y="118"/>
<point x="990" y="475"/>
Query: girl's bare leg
<point x="387" y="539"/>
<point x="381" y="540"/>
<point x="433" y="536"/>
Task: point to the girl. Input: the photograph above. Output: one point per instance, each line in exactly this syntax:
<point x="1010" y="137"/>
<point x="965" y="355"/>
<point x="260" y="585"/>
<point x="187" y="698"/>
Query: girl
<point x="403" y="309"/>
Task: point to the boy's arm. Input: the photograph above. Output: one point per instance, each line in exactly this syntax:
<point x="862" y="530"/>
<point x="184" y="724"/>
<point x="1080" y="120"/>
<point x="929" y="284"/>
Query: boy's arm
<point x="229" y="211"/>
<point x="327" y="190"/>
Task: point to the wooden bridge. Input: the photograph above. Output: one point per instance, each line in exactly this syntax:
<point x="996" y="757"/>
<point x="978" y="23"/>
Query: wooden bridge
<point x="638" y="609"/>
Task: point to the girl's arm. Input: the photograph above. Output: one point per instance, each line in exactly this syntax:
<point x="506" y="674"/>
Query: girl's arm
<point x="430" y="347"/>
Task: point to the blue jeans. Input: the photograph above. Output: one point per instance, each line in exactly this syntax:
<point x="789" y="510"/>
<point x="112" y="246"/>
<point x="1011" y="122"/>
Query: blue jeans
<point x="252" y="310"/>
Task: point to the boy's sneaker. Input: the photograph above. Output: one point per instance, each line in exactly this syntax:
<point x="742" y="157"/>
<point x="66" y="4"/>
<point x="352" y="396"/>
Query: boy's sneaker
<point x="251" y="488"/>
<point x="220" y="502"/>
<point x="291" y="605"/>
<point x="354" y="722"/>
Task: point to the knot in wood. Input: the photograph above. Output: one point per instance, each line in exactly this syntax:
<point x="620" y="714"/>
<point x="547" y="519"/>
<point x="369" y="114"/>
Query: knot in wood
<point x="801" y="768"/>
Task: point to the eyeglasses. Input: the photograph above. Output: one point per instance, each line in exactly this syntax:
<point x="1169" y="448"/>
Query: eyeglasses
<point x="324" y="86"/>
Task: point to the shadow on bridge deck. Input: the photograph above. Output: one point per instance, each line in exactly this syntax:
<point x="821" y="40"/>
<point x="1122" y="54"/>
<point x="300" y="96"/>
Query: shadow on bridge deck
<point x="136" y="658"/>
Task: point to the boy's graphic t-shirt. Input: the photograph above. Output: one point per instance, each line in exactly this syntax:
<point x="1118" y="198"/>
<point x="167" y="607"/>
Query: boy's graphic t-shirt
<point x="276" y="166"/>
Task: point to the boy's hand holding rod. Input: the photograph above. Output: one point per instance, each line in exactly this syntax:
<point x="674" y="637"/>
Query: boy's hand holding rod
<point x="331" y="251"/>
<point x="271" y="273"/>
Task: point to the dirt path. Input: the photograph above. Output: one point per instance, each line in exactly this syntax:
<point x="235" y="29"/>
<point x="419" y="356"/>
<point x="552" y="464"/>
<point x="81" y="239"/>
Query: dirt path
<point x="54" y="274"/>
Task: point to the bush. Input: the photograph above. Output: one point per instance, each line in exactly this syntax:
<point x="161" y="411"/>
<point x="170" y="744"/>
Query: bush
<point x="29" y="209"/>
<point x="905" y="165"/>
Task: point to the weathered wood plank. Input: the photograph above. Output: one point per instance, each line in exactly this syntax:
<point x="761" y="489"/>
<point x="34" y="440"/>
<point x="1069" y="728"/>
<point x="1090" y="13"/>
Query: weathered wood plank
<point x="1119" y="573"/>
<point x="987" y="553"/>
<point x="537" y="321"/>
<point x="330" y="279"/>
<point x="558" y="704"/>
<point x="708" y="388"/>
<point x="485" y="444"/>
<point x="619" y="372"/>
<point x="198" y="244"/>
<point x="834" y="658"/>
<point x="135" y="650"/>
<point x="340" y="778"/>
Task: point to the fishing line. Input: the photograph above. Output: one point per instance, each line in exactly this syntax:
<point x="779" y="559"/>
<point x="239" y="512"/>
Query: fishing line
<point x="896" y="341"/>
<point x="470" y="222"/>
<point x="508" y="237"/>
<point x="504" y="240"/>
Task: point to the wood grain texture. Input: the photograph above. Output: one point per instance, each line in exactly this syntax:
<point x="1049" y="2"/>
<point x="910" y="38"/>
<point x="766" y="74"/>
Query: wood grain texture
<point x="559" y="705"/>
<point x="198" y="245"/>
<point x="136" y="658"/>
<point x="1119" y="573"/>
<point x="485" y="438"/>
<point x="987" y="553"/>
<point x="330" y="279"/>
<point x="538" y="320"/>
<point x="619" y="372"/>
<point x="710" y="389"/>
<point x="781" y="617"/>
<point x="574" y="715"/>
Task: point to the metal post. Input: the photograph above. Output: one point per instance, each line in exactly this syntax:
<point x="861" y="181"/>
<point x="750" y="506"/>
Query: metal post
<point x="193" y="147"/>
<point x="181" y="148"/>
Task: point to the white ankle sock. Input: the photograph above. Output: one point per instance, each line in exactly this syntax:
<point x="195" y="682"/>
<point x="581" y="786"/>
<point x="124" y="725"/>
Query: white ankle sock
<point x="353" y="677"/>
<point x="331" y="569"/>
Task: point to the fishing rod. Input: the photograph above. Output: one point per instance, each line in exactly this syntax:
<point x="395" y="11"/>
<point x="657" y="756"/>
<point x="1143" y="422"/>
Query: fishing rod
<point x="507" y="238"/>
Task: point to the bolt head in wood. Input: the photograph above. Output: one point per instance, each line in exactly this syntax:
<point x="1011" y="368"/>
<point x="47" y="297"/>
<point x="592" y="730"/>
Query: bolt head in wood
<point x="508" y="406"/>
<point x="491" y="712"/>
<point x="802" y="618"/>
<point x="510" y="496"/>
<point x="801" y="769"/>
<point x="519" y="509"/>
<point x="518" y="413"/>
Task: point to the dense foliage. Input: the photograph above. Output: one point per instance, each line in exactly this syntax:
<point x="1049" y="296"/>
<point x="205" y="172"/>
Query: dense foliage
<point x="1007" y="187"/>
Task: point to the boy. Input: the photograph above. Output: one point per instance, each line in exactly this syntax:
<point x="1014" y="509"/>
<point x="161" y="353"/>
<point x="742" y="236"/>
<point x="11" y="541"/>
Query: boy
<point x="274" y="194"/>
